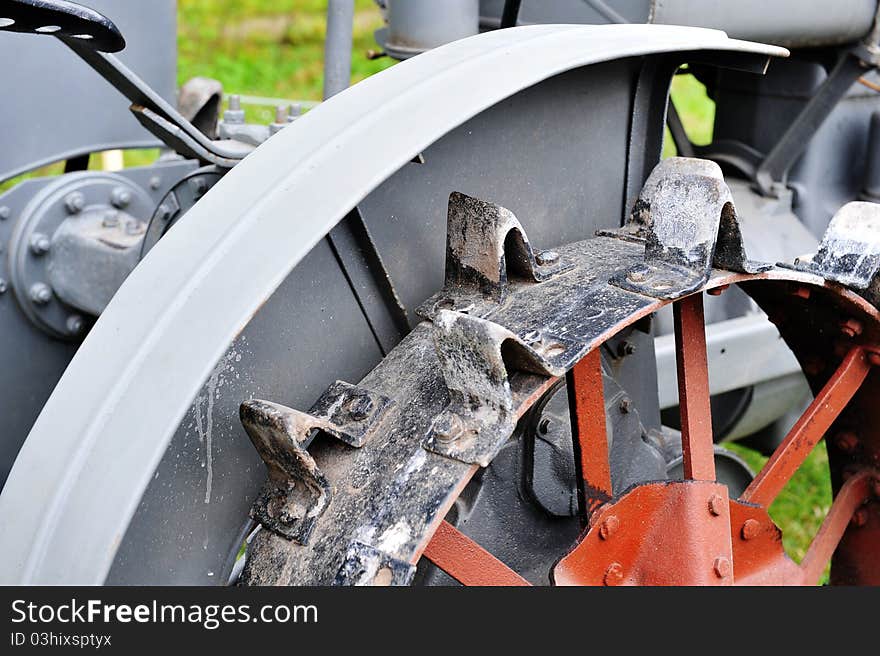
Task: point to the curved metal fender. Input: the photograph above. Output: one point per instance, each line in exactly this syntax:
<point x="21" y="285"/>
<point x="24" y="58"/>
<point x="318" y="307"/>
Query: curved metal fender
<point x="95" y="446"/>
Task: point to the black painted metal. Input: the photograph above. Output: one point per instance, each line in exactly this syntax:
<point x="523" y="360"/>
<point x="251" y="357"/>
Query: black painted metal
<point x="61" y="18"/>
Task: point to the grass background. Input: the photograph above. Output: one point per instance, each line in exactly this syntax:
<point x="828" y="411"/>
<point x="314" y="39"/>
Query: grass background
<point x="274" y="48"/>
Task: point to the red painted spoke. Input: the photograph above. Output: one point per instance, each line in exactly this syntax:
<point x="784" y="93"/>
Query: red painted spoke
<point x="809" y="429"/>
<point x="466" y="561"/>
<point x="698" y="451"/>
<point x="586" y="402"/>
<point x="852" y="494"/>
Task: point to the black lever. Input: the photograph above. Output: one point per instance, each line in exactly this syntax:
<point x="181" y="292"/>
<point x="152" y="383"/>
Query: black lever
<point x="63" y="19"/>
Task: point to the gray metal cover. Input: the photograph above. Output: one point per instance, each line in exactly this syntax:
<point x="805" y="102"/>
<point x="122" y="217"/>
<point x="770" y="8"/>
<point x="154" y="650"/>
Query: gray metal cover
<point x="56" y="107"/>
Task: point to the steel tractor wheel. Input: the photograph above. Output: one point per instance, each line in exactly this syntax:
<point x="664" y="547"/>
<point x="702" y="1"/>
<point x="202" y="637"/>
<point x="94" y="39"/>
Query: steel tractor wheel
<point x="399" y="346"/>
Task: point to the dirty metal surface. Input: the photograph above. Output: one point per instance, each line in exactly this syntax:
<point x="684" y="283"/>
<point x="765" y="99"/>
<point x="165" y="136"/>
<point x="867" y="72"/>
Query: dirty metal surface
<point x="297" y="491"/>
<point x="850" y="250"/>
<point x="686" y="218"/>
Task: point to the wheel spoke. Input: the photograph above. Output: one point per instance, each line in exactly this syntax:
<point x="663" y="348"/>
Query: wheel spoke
<point x="466" y="561"/>
<point x="586" y="401"/>
<point x="698" y="453"/>
<point x="809" y="429"/>
<point x="851" y="495"/>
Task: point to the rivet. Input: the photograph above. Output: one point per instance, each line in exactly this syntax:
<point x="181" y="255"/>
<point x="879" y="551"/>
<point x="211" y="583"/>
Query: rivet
<point x="874" y="358"/>
<point x="716" y="504"/>
<point x="74" y="324"/>
<point x="608" y="527"/>
<point x="613" y="574"/>
<point x="5" y="213"/>
<point x="3" y="286"/>
<point x="155" y="182"/>
<point x="40" y="244"/>
<point x="546" y="258"/>
<point x="40" y="293"/>
<point x="847" y="441"/>
<point x="851" y="327"/>
<point x="75" y="202"/>
<point x="721" y="566"/>
<point x="859" y="518"/>
<point x="751" y="528"/>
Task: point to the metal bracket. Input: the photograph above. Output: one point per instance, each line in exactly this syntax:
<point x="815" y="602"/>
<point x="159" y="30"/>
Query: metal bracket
<point x="850" y="250"/>
<point x="297" y="492"/>
<point x="486" y="246"/>
<point x="686" y="217"/>
<point x="474" y="356"/>
<point x="366" y="565"/>
<point x="61" y="18"/>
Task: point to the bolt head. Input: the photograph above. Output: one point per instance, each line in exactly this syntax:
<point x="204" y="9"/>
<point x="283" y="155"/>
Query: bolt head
<point x="546" y="258"/>
<point x="75" y="202"/>
<point x="625" y="405"/>
<point x="111" y="219"/>
<point x="40" y="244"/>
<point x="751" y="529"/>
<point x="359" y="407"/>
<point x="608" y="526"/>
<point x="721" y="567"/>
<point x="637" y="275"/>
<point x="40" y="293"/>
<point x="448" y="427"/>
<point x="847" y="441"/>
<point x="613" y="574"/>
<point x="716" y="504"/>
<point x="874" y="358"/>
<point x="120" y="197"/>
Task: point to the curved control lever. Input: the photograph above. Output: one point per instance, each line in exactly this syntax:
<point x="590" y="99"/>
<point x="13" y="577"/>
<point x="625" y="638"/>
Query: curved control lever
<point x="62" y="19"/>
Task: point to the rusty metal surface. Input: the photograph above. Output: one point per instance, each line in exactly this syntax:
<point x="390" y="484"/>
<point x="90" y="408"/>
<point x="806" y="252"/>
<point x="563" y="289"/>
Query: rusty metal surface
<point x="466" y="561"/>
<point x="809" y="429"/>
<point x="297" y="491"/>
<point x="587" y="408"/>
<point x="657" y="534"/>
<point x="693" y="389"/>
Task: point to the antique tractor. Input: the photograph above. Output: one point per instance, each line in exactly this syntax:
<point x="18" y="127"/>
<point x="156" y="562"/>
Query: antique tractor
<point x="460" y="322"/>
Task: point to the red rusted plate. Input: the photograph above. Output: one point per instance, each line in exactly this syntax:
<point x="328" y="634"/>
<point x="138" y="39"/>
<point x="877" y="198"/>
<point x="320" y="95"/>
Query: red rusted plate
<point x="698" y="453"/>
<point x="758" y="555"/>
<point x="669" y="533"/>
<point x="466" y="561"/>
<point x="586" y="399"/>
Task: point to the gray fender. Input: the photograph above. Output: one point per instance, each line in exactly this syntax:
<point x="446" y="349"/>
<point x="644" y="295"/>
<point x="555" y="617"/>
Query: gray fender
<point x="97" y="442"/>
